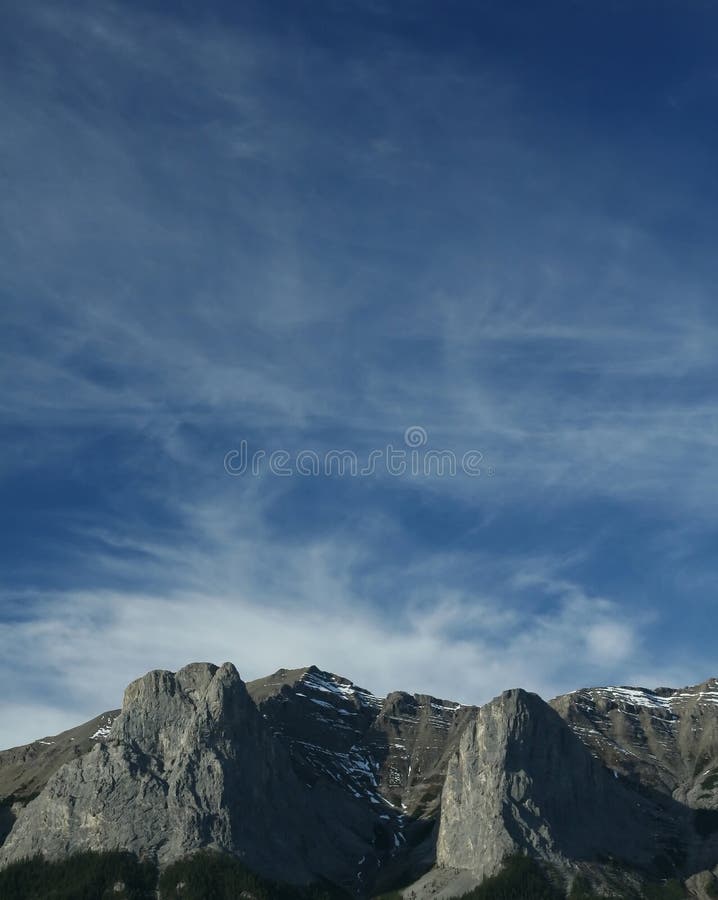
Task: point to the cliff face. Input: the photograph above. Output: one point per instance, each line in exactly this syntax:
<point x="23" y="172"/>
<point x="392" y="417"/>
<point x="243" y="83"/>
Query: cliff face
<point x="522" y="780"/>
<point x="306" y="776"/>
<point x="189" y="763"/>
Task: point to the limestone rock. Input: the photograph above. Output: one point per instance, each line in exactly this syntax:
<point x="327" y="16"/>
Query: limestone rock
<point x="521" y="781"/>
<point x="306" y="776"/>
<point x="189" y="763"/>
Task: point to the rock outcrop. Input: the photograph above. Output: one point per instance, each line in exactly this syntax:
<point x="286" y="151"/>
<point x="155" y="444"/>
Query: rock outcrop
<point x="24" y="771"/>
<point x="189" y="763"/>
<point x="306" y="776"/>
<point x="522" y="781"/>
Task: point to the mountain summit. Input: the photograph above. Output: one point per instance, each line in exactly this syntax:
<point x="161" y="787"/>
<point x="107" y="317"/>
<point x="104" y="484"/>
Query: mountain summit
<point x="307" y="777"/>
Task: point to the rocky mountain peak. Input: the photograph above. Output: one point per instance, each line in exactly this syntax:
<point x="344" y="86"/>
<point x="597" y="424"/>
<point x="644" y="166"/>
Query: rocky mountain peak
<point x="189" y="763"/>
<point x="522" y="779"/>
<point x="166" y="713"/>
<point x="306" y="775"/>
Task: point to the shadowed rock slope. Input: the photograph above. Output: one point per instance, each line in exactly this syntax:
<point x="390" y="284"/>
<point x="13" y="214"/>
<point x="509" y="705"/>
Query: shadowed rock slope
<point x="390" y="754"/>
<point x="666" y="738"/>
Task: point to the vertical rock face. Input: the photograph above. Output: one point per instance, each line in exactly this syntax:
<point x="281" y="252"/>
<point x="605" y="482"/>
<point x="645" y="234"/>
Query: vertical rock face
<point x="189" y="763"/>
<point x="522" y="781"/>
<point x="311" y="776"/>
<point x="304" y="775"/>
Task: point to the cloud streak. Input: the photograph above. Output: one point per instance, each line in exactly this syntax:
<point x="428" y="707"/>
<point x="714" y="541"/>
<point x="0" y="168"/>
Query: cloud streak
<point x="460" y="648"/>
<point x="314" y="238"/>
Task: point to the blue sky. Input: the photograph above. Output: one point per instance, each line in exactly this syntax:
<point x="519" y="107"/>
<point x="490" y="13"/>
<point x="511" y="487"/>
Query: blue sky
<point x="312" y="226"/>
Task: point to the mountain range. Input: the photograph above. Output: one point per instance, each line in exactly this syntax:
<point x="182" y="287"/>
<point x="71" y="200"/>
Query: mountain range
<point x="306" y="777"/>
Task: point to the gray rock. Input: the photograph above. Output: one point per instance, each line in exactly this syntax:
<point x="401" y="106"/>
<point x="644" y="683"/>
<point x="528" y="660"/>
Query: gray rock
<point x="703" y="885"/>
<point x="305" y="775"/>
<point x="442" y="884"/>
<point x="666" y="739"/>
<point x="189" y="764"/>
<point x="521" y="781"/>
<point x="24" y="771"/>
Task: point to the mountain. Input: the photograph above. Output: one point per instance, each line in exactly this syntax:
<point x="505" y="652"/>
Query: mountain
<point x="306" y="777"/>
<point x="523" y="779"/>
<point x="390" y="754"/>
<point x="24" y="771"/>
<point x="666" y="739"/>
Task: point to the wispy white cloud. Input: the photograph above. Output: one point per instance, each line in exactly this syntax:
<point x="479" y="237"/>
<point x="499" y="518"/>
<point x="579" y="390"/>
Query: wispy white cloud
<point x="462" y="644"/>
<point x="91" y="645"/>
<point x="202" y="245"/>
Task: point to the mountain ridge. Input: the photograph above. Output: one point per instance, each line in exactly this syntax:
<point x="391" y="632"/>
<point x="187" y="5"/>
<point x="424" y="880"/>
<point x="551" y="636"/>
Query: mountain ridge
<point x="371" y="793"/>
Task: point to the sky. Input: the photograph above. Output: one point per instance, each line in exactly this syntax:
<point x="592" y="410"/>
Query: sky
<point x="306" y="227"/>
